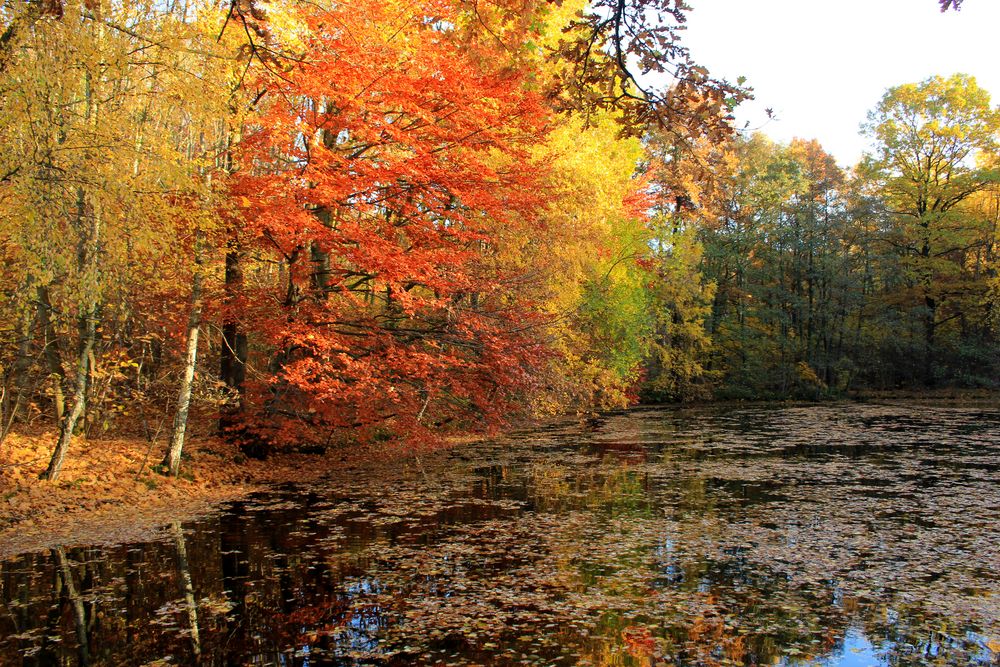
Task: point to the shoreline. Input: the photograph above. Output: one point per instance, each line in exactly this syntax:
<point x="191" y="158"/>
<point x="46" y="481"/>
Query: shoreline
<point x="102" y="499"/>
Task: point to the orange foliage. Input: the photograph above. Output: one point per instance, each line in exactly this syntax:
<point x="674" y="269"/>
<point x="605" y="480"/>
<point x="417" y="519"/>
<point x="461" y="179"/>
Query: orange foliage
<point x="380" y="165"/>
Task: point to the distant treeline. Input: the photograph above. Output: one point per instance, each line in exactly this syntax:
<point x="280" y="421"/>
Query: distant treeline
<point x="819" y="281"/>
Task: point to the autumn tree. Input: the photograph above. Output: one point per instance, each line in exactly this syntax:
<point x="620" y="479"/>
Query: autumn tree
<point x="778" y="257"/>
<point x="368" y="194"/>
<point x="742" y="253"/>
<point x="928" y="137"/>
<point x="587" y="266"/>
<point x="687" y="179"/>
<point x="103" y="183"/>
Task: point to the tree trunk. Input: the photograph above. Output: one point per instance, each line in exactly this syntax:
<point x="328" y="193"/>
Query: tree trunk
<point x="68" y="424"/>
<point x="87" y="261"/>
<point x="187" y="588"/>
<point x="930" y="323"/>
<point x="233" y="356"/>
<point x="79" y="612"/>
<point x="930" y="313"/>
<point x="173" y="458"/>
<point x="50" y="346"/>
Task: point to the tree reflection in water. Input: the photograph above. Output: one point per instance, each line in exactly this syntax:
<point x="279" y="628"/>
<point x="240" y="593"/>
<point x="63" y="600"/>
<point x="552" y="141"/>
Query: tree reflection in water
<point x="827" y="535"/>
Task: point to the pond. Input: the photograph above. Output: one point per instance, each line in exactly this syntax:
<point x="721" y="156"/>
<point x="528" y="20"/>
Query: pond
<point x="834" y="535"/>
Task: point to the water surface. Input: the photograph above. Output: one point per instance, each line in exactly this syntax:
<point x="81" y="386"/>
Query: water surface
<point x="846" y="535"/>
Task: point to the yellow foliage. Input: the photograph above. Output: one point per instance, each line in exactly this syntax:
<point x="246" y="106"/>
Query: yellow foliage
<point x="583" y="260"/>
<point x="117" y="119"/>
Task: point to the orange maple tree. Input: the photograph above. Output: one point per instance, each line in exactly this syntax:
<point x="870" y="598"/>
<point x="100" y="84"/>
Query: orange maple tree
<point x="380" y="165"/>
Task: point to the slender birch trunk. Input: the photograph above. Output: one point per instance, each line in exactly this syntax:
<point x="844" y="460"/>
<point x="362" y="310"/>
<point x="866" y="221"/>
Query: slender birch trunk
<point x="187" y="588"/>
<point x="173" y="458"/>
<point x="88" y="334"/>
<point x="79" y="612"/>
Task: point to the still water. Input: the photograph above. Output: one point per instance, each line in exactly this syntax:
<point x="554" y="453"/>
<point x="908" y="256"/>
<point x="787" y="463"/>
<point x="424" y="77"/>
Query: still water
<point x="845" y="535"/>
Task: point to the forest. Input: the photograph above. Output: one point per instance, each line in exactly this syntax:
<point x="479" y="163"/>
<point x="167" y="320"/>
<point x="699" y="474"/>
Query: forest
<point x="319" y="225"/>
<point x="387" y="333"/>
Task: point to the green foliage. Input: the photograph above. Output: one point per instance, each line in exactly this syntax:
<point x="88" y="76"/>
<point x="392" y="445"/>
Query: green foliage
<point x="936" y="146"/>
<point x="822" y="282"/>
<point x="778" y="249"/>
<point x="681" y="300"/>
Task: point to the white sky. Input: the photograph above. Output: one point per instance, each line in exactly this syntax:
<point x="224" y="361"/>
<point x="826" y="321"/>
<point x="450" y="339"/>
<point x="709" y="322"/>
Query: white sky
<point x="822" y="64"/>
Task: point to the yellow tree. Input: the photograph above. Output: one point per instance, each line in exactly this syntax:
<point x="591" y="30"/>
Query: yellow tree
<point x="689" y="198"/>
<point x="980" y="272"/>
<point x="105" y="162"/>
<point x="583" y="265"/>
<point x="586" y="265"/>
<point x="927" y="137"/>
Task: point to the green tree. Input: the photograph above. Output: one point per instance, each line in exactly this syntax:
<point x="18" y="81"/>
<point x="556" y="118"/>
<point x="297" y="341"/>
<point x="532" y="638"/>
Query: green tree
<point x="927" y="138"/>
<point x="780" y="246"/>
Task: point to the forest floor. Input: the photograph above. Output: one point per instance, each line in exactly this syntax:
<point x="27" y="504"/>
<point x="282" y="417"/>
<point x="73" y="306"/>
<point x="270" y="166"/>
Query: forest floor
<point x="108" y="492"/>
